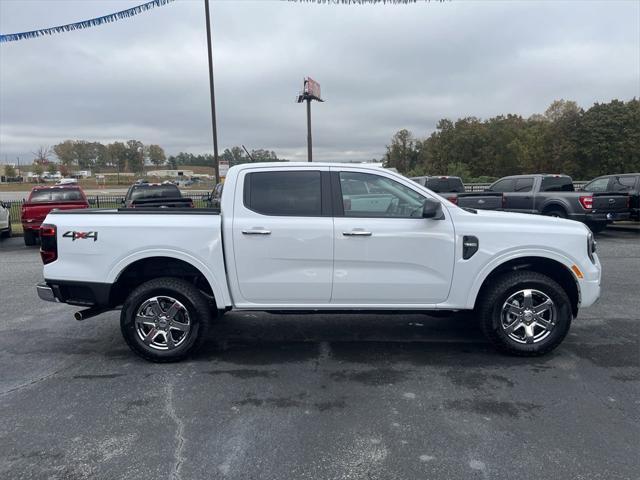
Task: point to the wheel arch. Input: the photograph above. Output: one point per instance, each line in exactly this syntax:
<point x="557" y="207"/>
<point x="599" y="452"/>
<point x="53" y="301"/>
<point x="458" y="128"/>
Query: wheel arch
<point x="554" y="205"/>
<point x="127" y="275"/>
<point x="553" y="268"/>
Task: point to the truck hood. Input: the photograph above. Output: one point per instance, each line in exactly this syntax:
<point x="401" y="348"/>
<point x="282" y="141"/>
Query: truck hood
<point x="517" y="220"/>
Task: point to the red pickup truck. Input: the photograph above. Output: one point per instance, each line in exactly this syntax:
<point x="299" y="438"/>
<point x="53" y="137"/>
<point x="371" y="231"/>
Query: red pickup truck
<point x="44" y="199"/>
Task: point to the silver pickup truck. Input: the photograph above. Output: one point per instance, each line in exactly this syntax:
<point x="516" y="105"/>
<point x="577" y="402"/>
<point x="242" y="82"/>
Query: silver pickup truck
<point x="453" y="190"/>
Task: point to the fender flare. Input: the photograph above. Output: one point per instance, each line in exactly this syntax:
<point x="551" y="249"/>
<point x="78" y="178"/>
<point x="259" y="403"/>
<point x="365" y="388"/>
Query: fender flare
<point x="505" y="257"/>
<point x="219" y="292"/>
<point x="556" y="203"/>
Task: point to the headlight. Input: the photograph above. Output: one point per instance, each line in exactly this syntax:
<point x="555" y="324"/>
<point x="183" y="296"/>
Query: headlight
<point x="591" y="247"/>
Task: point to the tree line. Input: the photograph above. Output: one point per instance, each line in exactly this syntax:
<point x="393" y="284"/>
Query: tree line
<point x="131" y="156"/>
<point x="565" y="139"/>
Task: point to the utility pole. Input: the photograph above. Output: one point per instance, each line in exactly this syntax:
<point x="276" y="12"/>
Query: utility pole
<point x="309" y="141"/>
<point x="310" y="91"/>
<point x="212" y="94"/>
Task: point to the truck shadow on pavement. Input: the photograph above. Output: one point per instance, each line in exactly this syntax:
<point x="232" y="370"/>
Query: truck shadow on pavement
<point x="263" y="339"/>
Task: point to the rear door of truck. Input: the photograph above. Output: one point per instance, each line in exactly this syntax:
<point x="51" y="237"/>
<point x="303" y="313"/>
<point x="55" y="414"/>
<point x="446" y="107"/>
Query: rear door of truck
<point x="282" y="231"/>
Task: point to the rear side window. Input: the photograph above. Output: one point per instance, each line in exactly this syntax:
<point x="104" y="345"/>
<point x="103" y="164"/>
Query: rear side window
<point x="506" y="185"/>
<point x="456" y="185"/>
<point x="438" y="185"/>
<point x="56" y="195"/>
<point x="524" y="184"/>
<point x="556" y="184"/>
<point x="622" y="184"/>
<point x="284" y="193"/>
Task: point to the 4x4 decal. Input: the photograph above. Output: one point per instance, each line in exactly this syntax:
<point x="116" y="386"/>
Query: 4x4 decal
<point x="80" y="235"/>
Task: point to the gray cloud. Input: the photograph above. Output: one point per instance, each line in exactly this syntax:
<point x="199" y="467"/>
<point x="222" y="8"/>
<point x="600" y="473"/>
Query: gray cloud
<point x="382" y="68"/>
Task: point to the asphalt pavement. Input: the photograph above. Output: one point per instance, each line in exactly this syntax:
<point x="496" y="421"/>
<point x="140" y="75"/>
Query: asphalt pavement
<point x="319" y="396"/>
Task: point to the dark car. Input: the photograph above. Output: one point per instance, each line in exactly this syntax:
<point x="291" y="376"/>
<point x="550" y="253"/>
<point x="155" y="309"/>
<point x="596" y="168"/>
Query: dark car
<point x="453" y="190"/>
<point x="44" y="199"/>
<point x="155" y="195"/>
<point x="628" y="183"/>
<point x="555" y="195"/>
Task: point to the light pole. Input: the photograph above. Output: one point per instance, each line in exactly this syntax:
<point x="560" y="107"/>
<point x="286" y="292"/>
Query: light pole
<point x="216" y="165"/>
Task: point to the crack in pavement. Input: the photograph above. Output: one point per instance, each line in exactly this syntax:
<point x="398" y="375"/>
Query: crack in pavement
<point x="179" y="434"/>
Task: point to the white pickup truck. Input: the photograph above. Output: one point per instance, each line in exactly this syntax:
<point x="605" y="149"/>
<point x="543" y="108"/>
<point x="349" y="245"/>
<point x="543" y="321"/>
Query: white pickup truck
<point x="292" y="236"/>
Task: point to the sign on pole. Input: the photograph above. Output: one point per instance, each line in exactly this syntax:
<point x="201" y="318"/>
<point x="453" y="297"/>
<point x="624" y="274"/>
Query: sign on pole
<point x="223" y="166"/>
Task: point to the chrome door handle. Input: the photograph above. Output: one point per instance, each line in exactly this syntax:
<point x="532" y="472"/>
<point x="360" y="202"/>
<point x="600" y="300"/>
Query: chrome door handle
<point x="256" y="232"/>
<point x="357" y="233"/>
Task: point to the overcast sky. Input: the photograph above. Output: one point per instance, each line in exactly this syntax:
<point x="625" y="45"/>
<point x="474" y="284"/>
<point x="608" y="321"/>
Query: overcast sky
<point x="382" y="68"/>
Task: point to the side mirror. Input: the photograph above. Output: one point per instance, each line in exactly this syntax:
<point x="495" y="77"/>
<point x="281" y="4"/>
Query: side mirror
<point x="432" y="209"/>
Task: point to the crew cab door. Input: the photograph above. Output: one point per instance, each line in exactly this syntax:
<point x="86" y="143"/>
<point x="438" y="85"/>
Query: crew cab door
<point x="283" y="237"/>
<point x="385" y="252"/>
<point x="518" y="193"/>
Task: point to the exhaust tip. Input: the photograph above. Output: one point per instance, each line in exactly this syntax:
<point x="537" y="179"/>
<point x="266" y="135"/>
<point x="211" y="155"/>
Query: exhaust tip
<point x="78" y="316"/>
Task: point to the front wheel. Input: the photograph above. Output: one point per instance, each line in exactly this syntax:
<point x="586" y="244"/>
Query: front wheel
<point x="165" y="319"/>
<point x="597" y="227"/>
<point x="525" y="313"/>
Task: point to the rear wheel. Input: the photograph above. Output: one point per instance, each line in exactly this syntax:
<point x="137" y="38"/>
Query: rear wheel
<point x="165" y="319"/>
<point x="597" y="227"/>
<point x="525" y="313"/>
<point x="556" y="212"/>
<point x="29" y="238"/>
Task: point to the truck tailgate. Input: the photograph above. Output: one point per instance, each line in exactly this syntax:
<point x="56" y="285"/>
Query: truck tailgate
<point x="480" y="200"/>
<point x="36" y="212"/>
<point x="610" y="202"/>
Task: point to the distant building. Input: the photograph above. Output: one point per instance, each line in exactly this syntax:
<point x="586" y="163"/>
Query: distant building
<point x="170" y="173"/>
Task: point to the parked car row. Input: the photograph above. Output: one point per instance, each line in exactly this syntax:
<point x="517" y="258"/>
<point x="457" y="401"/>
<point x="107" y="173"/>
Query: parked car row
<point x="598" y="203"/>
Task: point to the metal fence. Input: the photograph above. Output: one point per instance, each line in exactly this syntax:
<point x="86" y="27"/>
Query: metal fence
<point x="199" y="199"/>
<point x="100" y="201"/>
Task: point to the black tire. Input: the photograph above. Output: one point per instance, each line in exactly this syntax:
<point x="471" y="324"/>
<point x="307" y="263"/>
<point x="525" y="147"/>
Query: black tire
<point x="507" y="284"/>
<point x="194" y="303"/>
<point x="7" y="232"/>
<point x="556" y="212"/>
<point x="597" y="227"/>
<point x="29" y="238"/>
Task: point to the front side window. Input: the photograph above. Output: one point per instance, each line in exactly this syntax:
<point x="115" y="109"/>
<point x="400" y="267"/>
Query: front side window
<point x="506" y="185"/>
<point x="284" y="193"/>
<point x="369" y="195"/>
<point x="597" y="185"/>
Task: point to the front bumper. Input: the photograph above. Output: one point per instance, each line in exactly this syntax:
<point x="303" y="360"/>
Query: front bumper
<point x="590" y="284"/>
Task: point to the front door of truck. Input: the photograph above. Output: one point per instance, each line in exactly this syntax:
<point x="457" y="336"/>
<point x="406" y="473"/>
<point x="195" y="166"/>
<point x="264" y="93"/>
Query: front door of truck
<point x="385" y="252"/>
<point x="283" y="237"/>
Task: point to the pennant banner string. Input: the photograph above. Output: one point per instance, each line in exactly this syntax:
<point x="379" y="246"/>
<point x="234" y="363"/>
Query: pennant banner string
<point x="94" y="22"/>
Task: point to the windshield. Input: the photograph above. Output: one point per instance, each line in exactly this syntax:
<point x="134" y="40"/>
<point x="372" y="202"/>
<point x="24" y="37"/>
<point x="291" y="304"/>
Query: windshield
<point x="56" y="195"/>
<point x="155" y="191"/>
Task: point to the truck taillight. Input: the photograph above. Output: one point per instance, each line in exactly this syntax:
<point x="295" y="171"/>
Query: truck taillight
<point x="504" y="201"/>
<point x="586" y="202"/>
<point x="453" y="199"/>
<point x="48" y="243"/>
